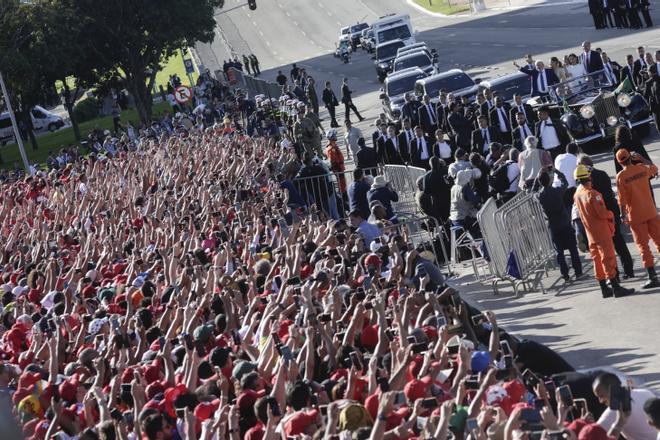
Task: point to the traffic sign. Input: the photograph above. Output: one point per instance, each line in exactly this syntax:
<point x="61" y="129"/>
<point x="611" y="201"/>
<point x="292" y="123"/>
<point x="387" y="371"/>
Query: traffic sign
<point x="183" y="94"/>
<point x="189" y="65"/>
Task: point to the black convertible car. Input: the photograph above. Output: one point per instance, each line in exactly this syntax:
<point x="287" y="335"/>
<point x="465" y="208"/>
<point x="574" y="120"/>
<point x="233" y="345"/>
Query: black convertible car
<point x="590" y="109"/>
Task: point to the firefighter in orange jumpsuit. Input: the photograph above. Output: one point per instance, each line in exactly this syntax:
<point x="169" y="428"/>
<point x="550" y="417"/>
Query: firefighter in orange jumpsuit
<point x="638" y="207"/>
<point x="336" y="158"/>
<point x="598" y="223"/>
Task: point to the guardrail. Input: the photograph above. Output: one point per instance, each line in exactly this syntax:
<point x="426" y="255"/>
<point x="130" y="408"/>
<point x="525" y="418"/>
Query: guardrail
<point x="254" y="86"/>
<point x="517" y="241"/>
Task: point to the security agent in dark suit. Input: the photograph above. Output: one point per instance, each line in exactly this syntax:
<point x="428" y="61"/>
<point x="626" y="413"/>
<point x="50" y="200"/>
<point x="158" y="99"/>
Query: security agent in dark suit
<point x="596" y="11"/>
<point x="460" y="126"/>
<point x="606" y="13"/>
<point x="639" y="65"/>
<point x="644" y="7"/>
<point x="488" y="102"/>
<point x="390" y="150"/>
<point x="632" y="6"/>
<point x="348" y="101"/>
<point x="551" y="133"/>
<point x="409" y="109"/>
<point x="602" y="183"/>
<point x="379" y="135"/>
<point x="628" y="70"/>
<point x="366" y="158"/>
<point x="526" y="109"/>
<point x="406" y="136"/>
<point x="420" y="149"/>
<point x="520" y="132"/>
<point x="330" y="100"/>
<point x="499" y="119"/>
<point x="590" y="59"/>
<point x="541" y="78"/>
<point x="483" y="136"/>
<point x="427" y="116"/>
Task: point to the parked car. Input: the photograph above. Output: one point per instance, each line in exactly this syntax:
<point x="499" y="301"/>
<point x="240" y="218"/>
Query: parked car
<point x="455" y="81"/>
<point x="414" y="59"/>
<point x="42" y="119"/>
<point x="508" y="85"/>
<point x="590" y="110"/>
<point x="395" y="87"/>
<point x="384" y="56"/>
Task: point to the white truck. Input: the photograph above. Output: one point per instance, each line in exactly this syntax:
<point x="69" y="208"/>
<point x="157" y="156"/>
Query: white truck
<point x="393" y="27"/>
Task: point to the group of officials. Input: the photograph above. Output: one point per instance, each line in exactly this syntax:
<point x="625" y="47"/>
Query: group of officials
<point x="620" y="13"/>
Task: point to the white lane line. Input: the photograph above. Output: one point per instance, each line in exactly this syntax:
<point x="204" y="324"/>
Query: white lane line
<point x="475" y="44"/>
<point x="498" y="44"/>
<point x="287" y="14"/>
<point x="321" y="5"/>
<point x="338" y="24"/>
<point x="280" y="5"/>
<point x="268" y="43"/>
<point x="274" y="52"/>
<point x="261" y="33"/>
<point x="304" y="33"/>
<point x="329" y="14"/>
<point x="254" y="23"/>
<point x="295" y="23"/>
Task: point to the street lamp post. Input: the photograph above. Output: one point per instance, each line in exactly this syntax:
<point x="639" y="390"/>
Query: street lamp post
<point x="17" y="133"/>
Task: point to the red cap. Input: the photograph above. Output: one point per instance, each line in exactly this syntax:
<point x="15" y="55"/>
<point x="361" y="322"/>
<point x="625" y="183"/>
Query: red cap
<point x="417" y="388"/>
<point x="151" y="373"/>
<point x="372" y="260"/>
<point x="300" y="421"/>
<point x="369" y="336"/>
<point x="205" y="410"/>
<point x="154" y="388"/>
<point x="248" y="397"/>
<point x="594" y="431"/>
<point x="68" y="389"/>
<point x="577" y="425"/>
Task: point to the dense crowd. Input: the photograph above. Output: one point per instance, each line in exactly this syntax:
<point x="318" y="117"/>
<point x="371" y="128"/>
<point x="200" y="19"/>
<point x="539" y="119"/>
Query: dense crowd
<point x="175" y="281"/>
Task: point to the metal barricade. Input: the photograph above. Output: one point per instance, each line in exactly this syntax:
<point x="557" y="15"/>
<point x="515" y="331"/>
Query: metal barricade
<point x="425" y="235"/>
<point x="401" y="181"/>
<point x="329" y="192"/>
<point x="517" y="229"/>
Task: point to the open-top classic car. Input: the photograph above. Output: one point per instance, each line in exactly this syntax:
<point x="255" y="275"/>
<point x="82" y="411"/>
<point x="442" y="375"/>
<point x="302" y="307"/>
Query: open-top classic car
<point x="590" y="109"/>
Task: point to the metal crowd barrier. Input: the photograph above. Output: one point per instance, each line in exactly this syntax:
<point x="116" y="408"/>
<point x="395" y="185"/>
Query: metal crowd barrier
<point x="402" y="179"/>
<point x="426" y="235"/>
<point x="517" y="230"/>
<point x="254" y="86"/>
<point x="328" y="192"/>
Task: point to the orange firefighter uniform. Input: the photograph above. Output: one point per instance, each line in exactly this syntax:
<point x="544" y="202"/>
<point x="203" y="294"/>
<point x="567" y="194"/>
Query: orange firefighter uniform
<point x="598" y="223"/>
<point x="337" y="163"/>
<point x="637" y="204"/>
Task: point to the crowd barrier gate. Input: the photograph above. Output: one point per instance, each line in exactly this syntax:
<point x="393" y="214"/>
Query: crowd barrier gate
<point x="402" y="179"/>
<point x="517" y="230"/>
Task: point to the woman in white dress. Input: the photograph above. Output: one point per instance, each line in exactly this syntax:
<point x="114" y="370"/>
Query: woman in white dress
<point x="575" y="69"/>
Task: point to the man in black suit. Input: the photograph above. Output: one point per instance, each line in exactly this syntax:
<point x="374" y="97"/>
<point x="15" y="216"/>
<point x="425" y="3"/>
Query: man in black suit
<point x="541" y="77"/>
<point x="518" y="106"/>
<point x="405" y="138"/>
<point x="644" y="6"/>
<point x="365" y="158"/>
<point x="390" y="152"/>
<point x="483" y="136"/>
<point x="488" y="103"/>
<point x="619" y="10"/>
<point x="590" y="59"/>
<point x="409" y="109"/>
<point x="442" y="110"/>
<point x="551" y="133"/>
<point x="330" y="100"/>
<point x="521" y="132"/>
<point x="606" y="13"/>
<point x="499" y="119"/>
<point x="379" y="135"/>
<point x="427" y="116"/>
<point x="348" y="101"/>
<point x="633" y="16"/>
<point x="596" y="12"/>
<point x="420" y="149"/>
<point x="640" y="64"/>
<point x="628" y="71"/>
<point x="611" y="68"/>
<point x="460" y="126"/>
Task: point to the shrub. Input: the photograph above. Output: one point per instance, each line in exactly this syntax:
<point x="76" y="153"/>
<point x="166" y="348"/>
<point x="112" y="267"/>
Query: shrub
<point x="86" y="110"/>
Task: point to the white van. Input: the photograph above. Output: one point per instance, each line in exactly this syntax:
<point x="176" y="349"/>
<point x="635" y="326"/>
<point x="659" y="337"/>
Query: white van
<point x="42" y="119"/>
<point x="393" y="28"/>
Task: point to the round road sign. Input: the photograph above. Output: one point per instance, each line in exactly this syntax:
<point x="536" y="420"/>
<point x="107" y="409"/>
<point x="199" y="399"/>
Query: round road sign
<point x="183" y="94"/>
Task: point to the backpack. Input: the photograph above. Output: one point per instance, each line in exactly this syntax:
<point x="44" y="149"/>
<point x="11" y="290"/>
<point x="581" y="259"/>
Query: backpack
<point x="498" y="179"/>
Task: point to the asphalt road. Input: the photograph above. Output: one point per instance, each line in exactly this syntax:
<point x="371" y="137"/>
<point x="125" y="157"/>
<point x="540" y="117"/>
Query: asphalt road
<point x="572" y="318"/>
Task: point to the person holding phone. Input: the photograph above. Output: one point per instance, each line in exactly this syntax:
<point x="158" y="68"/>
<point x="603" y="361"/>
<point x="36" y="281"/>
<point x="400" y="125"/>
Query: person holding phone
<point x="631" y="424"/>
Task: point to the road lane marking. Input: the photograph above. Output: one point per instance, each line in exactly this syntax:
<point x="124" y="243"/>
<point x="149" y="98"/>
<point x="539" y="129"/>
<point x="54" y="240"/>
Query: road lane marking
<point x="321" y="5"/>
<point x="261" y="33"/>
<point x="254" y="23"/>
<point x="268" y="43"/>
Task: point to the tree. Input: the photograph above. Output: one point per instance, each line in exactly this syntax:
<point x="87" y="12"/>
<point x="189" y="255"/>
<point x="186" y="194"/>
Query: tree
<point x="137" y="35"/>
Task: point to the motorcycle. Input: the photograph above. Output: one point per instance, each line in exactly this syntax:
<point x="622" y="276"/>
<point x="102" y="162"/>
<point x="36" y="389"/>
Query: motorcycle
<point x="345" y="57"/>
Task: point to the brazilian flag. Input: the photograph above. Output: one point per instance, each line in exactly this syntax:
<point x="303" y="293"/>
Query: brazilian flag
<point x="625" y="87"/>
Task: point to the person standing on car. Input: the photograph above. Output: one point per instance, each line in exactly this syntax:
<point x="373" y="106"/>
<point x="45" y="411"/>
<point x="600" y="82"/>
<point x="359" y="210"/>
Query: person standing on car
<point x="598" y="223"/>
<point x="652" y="85"/>
<point x="638" y="207"/>
<point x="330" y="100"/>
<point x="590" y="59"/>
<point x="542" y="79"/>
<point x="348" y="101"/>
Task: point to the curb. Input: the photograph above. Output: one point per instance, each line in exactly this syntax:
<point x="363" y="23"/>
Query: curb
<point x="414" y="5"/>
<point x="422" y="9"/>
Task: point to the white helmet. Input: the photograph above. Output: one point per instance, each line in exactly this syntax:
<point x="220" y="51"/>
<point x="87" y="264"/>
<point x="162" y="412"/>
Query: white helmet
<point x="331" y="134"/>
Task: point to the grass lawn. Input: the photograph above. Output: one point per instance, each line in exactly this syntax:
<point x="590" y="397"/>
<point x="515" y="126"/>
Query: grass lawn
<point x="446" y="7"/>
<point x="64" y="137"/>
<point x="174" y="65"/>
